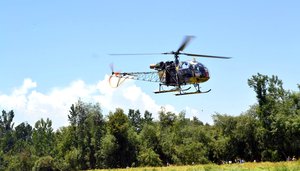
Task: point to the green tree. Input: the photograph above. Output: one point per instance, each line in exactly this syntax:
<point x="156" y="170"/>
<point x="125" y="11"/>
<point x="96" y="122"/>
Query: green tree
<point x="166" y="119"/>
<point x="94" y="133"/>
<point x="181" y="141"/>
<point x="135" y="119"/>
<point x="7" y="139"/>
<point x="87" y="126"/>
<point x="236" y="137"/>
<point x="119" y="126"/>
<point x="192" y="141"/>
<point x="22" y="161"/>
<point x="3" y="163"/>
<point x="63" y="142"/>
<point x="71" y="160"/>
<point x="109" y="148"/>
<point x="6" y="121"/>
<point x="225" y="126"/>
<point x="149" y="145"/>
<point x="43" y="137"/>
<point x="275" y="107"/>
<point x="167" y="135"/>
<point x="150" y="136"/>
<point x="148" y="157"/>
<point x="269" y="92"/>
<point x="45" y="163"/>
<point x="147" y="117"/>
<point x="23" y="135"/>
<point x="244" y="136"/>
<point x="23" y="132"/>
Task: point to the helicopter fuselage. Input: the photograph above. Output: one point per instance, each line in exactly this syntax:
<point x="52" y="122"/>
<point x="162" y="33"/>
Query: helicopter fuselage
<point x="187" y="72"/>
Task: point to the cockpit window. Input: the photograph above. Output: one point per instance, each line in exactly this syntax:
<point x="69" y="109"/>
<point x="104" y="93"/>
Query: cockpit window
<point x="199" y="67"/>
<point x="184" y="65"/>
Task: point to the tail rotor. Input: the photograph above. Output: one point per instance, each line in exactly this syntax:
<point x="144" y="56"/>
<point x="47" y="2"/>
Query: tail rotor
<point x="117" y="75"/>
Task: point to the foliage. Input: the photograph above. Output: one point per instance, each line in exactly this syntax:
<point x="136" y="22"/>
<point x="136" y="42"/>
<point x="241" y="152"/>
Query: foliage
<point x="277" y="110"/>
<point x="268" y="131"/>
<point x="42" y="137"/>
<point x="6" y="131"/>
<point x="119" y="126"/>
<point x="147" y="157"/>
<point x="44" y="163"/>
<point x="85" y="133"/>
<point x="20" y="161"/>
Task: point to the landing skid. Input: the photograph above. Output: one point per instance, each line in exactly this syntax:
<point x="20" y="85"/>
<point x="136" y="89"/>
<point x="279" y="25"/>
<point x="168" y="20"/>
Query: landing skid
<point x="172" y="90"/>
<point x="180" y="91"/>
<point x="189" y="93"/>
<point x="166" y="91"/>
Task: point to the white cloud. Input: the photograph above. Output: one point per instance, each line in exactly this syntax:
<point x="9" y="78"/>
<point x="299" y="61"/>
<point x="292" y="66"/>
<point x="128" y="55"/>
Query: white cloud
<point x="127" y="96"/>
<point x="27" y="85"/>
<point x="31" y="105"/>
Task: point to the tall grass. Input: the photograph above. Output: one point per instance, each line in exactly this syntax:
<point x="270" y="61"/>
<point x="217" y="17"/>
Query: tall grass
<point x="264" y="166"/>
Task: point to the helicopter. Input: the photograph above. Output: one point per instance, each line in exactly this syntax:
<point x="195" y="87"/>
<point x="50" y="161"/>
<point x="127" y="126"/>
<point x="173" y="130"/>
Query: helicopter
<point x="179" y="75"/>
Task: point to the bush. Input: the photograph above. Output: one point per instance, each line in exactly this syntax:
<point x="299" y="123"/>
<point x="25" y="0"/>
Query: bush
<point x="71" y="159"/>
<point x="270" y="155"/>
<point x="21" y="161"/>
<point x="45" y="163"/>
<point x="148" y="157"/>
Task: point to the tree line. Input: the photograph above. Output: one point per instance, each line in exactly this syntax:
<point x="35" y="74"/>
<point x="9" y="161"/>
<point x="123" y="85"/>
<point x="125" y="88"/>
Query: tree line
<point x="268" y="131"/>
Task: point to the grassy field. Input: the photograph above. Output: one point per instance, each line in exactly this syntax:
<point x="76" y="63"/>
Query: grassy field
<point x="268" y="166"/>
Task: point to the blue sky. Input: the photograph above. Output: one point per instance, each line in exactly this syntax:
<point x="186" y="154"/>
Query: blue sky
<point x="54" y="52"/>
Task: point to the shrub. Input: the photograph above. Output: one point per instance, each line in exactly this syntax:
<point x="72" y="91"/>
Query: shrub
<point x="45" y="163"/>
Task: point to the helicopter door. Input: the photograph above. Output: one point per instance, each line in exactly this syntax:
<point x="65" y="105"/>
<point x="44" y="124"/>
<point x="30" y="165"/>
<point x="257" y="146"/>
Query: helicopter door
<point x="192" y="69"/>
<point x="170" y="72"/>
<point x="185" y="73"/>
<point x="198" y="71"/>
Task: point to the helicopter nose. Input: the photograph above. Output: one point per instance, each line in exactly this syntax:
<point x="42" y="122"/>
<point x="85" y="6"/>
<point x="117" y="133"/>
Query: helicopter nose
<point x="207" y="74"/>
<point x="205" y="77"/>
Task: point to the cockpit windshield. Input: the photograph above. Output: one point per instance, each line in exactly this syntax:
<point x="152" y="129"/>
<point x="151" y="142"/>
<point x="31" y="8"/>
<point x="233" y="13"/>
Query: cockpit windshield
<point x="200" y="69"/>
<point x="184" y="65"/>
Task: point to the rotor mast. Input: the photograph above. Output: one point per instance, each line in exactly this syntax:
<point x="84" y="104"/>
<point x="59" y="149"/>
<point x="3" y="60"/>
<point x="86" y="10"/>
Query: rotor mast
<point x="176" y="54"/>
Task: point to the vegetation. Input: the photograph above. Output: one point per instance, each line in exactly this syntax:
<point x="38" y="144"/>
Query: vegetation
<point x="268" y="131"/>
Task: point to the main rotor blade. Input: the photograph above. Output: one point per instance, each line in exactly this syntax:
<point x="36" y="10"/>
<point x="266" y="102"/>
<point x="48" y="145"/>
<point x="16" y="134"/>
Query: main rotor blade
<point x="115" y="54"/>
<point x="205" y="56"/>
<point x="185" y="42"/>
